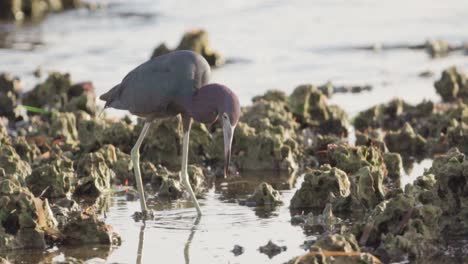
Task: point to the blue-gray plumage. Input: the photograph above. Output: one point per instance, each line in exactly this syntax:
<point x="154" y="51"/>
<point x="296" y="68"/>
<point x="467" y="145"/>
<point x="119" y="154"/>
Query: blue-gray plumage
<point x="171" y="84"/>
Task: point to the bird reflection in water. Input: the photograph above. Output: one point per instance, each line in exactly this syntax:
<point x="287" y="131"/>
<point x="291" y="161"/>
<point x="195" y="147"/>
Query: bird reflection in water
<point x="141" y="239"/>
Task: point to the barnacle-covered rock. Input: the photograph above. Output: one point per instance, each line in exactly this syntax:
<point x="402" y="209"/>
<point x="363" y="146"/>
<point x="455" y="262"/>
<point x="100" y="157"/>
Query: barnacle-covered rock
<point x="271" y="249"/>
<point x="451" y="176"/>
<point x="326" y="221"/>
<point x="264" y="195"/>
<point x="25" y="221"/>
<point x="370" y="138"/>
<point x="393" y="115"/>
<point x="338" y="242"/>
<point x="317" y="255"/>
<point x="257" y="150"/>
<point x="163" y="144"/>
<point x="10" y="88"/>
<point x="399" y="215"/>
<point x="350" y="159"/>
<point x="320" y="186"/>
<point x="276" y="114"/>
<point x="437" y="48"/>
<point x="197" y="41"/>
<point x="95" y="132"/>
<point x="452" y="85"/>
<point x="53" y="179"/>
<point x="272" y="95"/>
<point x="85" y="229"/>
<point x="28" y="151"/>
<point x="369" y="189"/>
<point x="310" y="107"/>
<point x="57" y="92"/>
<point x="63" y="126"/>
<point x="394" y="164"/>
<point x="171" y="188"/>
<point x="12" y="163"/>
<point x="94" y="175"/>
<point x="406" y="142"/>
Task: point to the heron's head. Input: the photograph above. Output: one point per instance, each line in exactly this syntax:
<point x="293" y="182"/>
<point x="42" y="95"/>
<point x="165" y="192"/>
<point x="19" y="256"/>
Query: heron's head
<point x="217" y="102"/>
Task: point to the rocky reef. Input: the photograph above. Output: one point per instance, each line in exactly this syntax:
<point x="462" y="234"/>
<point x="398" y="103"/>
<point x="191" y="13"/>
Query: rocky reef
<point x="197" y="41"/>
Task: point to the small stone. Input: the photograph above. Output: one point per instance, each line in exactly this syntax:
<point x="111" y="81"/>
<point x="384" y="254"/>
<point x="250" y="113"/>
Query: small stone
<point x="271" y="249"/>
<point x="237" y="250"/>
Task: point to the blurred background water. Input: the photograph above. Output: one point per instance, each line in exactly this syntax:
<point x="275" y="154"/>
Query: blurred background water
<point x="275" y="44"/>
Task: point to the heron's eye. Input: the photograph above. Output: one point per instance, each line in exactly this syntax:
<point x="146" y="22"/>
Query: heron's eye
<point x="225" y="116"/>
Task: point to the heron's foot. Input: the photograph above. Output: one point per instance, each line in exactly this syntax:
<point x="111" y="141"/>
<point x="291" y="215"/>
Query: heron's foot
<point x="143" y="216"/>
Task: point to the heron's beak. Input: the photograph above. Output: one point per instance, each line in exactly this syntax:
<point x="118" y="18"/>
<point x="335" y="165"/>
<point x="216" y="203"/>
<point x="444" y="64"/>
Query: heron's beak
<point x="228" y="132"/>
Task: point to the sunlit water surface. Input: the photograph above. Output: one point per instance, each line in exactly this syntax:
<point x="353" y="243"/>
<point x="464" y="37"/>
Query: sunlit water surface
<point x="276" y="44"/>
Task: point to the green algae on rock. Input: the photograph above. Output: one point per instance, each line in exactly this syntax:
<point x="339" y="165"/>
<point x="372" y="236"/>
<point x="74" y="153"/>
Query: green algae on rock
<point x="197" y="41"/>
<point x="28" y="151"/>
<point x="264" y="195"/>
<point x="320" y="186"/>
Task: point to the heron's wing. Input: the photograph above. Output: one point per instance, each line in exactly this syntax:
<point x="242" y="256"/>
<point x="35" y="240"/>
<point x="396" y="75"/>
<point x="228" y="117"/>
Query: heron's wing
<point x="150" y="87"/>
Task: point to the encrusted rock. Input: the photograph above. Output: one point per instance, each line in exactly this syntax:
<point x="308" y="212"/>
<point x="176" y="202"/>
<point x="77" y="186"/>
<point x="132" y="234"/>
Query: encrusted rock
<point x="310" y="107"/>
<point x="350" y="159"/>
<point x="197" y="41"/>
<point x="369" y="189"/>
<point x="13" y="165"/>
<point x="85" y="229"/>
<point x="272" y="95"/>
<point x="322" y="222"/>
<point x="394" y="165"/>
<point x="320" y="186"/>
<point x="317" y="255"/>
<point x="392" y="115"/>
<point x="53" y="179"/>
<point x="452" y="85"/>
<point x="437" y="48"/>
<point x="271" y="249"/>
<point x="57" y="92"/>
<point x="276" y="117"/>
<point x="10" y="88"/>
<point x="257" y="150"/>
<point x="63" y="126"/>
<point x="28" y="151"/>
<point x="163" y="144"/>
<point x="264" y="195"/>
<point x="94" y="175"/>
<point x="25" y="220"/>
<point x="406" y="142"/>
<point x="94" y="132"/>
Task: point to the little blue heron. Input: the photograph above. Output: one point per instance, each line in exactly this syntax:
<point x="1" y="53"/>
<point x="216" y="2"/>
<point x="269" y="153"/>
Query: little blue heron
<point x="172" y="84"/>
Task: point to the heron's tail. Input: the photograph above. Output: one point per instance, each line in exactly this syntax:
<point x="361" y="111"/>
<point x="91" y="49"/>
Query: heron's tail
<point x="111" y="96"/>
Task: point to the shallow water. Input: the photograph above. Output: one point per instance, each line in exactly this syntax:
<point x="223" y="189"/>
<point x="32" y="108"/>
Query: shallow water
<point x="273" y="44"/>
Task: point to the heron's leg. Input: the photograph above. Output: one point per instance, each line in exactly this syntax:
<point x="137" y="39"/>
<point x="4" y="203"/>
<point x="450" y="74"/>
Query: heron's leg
<point x="135" y="154"/>
<point x="184" y="174"/>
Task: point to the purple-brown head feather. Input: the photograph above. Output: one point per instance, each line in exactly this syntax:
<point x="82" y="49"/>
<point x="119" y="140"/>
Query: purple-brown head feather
<point x="217" y="102"/>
